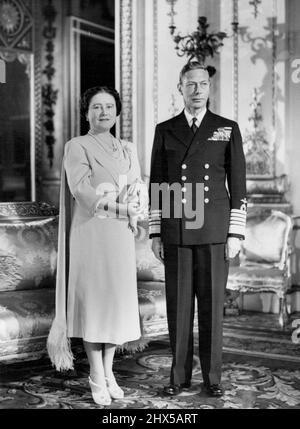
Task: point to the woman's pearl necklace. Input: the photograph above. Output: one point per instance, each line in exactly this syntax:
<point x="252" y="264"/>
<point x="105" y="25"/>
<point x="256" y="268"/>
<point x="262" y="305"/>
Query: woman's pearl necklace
<point x="105" y="145"/>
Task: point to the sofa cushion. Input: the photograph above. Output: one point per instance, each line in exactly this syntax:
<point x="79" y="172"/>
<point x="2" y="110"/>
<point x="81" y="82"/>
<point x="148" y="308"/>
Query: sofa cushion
<point x="28" y="251"/>
<point x="24" y="316"/>
<point x="148" y="267"/>
<point x="265" y="238"/>
<point x="253" y="278"/>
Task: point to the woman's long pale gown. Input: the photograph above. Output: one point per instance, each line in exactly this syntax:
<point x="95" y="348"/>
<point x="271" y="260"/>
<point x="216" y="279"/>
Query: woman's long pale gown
<point x="102" y="286"/>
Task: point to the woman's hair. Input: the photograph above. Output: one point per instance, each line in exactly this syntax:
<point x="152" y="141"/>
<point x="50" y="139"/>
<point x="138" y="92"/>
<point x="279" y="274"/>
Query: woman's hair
<point x="91" y="92"/>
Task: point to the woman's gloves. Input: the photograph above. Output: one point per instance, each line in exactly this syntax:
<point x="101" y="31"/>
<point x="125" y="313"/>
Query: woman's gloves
<point x="137" y="198"/>
<point x="132" y="202"/>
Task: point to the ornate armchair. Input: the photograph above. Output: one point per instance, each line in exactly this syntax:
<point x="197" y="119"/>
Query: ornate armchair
<point x="264" y="262"/>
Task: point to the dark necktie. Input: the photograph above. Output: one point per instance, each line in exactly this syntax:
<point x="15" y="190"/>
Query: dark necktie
<point x="194" y="126"/>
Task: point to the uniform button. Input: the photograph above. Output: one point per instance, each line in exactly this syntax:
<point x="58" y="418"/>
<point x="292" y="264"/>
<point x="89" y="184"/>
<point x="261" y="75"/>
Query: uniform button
<point x="183" y="178"/>
<point x="183" y="166"/>
<point x="206" y="189"/>
<point x="184" y="201"/>
<point x="183" y="189"/>
<point x="206" y="200"/>
<point x="207" y="166"/>
<point x="206" y="177"/>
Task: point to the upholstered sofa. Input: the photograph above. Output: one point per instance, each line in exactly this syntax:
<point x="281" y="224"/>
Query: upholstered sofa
<point x="28" y="254"/>
<point x="28" y="251"/>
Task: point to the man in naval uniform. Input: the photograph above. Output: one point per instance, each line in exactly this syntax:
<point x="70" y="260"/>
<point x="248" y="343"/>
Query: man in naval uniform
<point x="197" y="147"/>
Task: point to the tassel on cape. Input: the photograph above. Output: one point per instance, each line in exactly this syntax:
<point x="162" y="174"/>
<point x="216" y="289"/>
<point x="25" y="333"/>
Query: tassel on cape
<point x="58" y="343"/>
<point x="59" y="347"/>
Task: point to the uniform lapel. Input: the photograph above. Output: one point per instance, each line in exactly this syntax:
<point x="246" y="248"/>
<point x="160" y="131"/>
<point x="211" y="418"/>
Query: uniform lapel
<point x="181" y="130"/>
<point x="200" y="139"/>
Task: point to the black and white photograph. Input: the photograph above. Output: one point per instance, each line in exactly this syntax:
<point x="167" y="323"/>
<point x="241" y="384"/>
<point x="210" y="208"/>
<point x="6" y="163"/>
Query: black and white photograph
<point x="149" y="208"/>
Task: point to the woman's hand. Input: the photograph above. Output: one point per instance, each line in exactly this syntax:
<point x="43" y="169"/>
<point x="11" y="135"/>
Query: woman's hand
<point x="134" y="209"/>
<point x="128" y="210"/>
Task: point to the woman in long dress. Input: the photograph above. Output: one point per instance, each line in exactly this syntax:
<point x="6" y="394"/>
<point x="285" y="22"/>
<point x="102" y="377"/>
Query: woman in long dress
<point x="103" y="177"/>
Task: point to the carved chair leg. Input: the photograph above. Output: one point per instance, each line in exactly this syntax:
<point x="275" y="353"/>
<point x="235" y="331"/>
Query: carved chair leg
<point x="231" y="307"/>
<point x="283" y="315"/>
<point x="242" y="302"/>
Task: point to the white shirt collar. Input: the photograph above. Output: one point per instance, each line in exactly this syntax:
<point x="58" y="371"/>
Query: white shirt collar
<point x="199" y="117"/>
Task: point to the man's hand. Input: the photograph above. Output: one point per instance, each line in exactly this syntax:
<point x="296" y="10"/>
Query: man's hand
<point x="232" y="248"/>
<point x="157" y="248"/>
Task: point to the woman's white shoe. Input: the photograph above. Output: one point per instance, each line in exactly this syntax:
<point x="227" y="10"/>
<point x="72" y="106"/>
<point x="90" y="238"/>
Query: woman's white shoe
<point x="113" y="388"/>
<point x="100" y="394"/>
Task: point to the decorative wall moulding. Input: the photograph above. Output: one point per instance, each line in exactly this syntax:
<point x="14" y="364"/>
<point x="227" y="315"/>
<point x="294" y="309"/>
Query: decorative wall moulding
<point x="235" y="44"/>
<point x="49" y="94"/>
<point x="173" y="109"/>
<point x="258" y="152"/>
<point x="155" y="60"/>
<point x="263" y="185"/>
<point x="16" y="24"/>
<point x="172" y="14"/>
<point x="126" y="68"/>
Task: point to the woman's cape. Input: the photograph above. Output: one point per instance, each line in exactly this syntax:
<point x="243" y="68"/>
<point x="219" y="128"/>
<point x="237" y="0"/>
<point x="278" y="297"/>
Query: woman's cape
<point x="58" y="343"/>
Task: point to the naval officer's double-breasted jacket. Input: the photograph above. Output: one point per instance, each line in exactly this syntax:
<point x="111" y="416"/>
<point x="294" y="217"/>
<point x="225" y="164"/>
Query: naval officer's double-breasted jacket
<point x="213" y="158"/>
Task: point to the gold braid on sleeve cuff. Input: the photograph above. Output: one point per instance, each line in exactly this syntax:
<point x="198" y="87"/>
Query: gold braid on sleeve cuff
<point x="154" y="222"/>
<point x="237" y="224"/>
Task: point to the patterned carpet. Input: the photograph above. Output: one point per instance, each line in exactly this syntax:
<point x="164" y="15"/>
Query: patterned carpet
<point x="250" y="382"/>
<point x="257" y="334"/>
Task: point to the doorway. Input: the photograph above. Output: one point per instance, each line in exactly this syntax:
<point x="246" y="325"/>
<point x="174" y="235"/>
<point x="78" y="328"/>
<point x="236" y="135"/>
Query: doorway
<point x="91" y="58"/>
<point x="16" y="131"/>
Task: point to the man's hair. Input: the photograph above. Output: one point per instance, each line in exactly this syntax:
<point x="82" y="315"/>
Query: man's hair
<point x="192" y="65"/>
